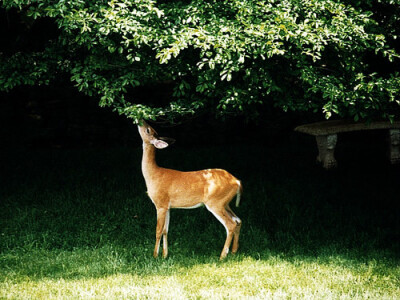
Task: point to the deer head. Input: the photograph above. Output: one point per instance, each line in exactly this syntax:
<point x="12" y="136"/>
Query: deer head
<point x="150" y="136"/>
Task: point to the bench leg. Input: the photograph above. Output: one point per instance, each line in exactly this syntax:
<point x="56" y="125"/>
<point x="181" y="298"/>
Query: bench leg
<point x="326" y="150"/>
<point x="394" y="147"/>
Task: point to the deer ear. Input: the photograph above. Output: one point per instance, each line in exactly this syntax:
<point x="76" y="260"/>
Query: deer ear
<point x="159" y="144"/>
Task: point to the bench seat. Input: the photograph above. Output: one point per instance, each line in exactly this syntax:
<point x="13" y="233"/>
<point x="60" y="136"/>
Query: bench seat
<point x="326" y="137"/>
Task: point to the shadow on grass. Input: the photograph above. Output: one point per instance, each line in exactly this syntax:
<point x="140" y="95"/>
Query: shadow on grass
<point x="84" y="213"/>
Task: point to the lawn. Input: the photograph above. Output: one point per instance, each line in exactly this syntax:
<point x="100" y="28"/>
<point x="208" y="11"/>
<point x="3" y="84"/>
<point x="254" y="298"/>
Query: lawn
<point x="77" y="224"/>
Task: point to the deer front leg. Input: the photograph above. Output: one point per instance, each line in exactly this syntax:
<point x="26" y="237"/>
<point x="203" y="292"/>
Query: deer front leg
<point x="161" y="217"/>
<point x="165" y="234"/>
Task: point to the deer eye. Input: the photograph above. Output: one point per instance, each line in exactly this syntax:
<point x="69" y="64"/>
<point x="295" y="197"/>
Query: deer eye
<point x="148" y="130"/>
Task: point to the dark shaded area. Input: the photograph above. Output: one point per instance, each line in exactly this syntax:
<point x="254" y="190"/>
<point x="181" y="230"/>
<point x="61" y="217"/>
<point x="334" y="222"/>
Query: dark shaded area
<point x="59" y="116"/>
<point x="93" y="197"/>
<point x="20" y="33"/>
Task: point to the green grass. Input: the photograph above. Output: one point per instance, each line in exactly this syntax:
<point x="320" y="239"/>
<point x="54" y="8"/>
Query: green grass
<point x="77" y="224"/>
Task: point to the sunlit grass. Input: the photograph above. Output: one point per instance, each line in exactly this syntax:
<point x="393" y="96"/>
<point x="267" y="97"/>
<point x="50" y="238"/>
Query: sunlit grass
<point x="77" y="224"/>
<point x="237" y="278"/>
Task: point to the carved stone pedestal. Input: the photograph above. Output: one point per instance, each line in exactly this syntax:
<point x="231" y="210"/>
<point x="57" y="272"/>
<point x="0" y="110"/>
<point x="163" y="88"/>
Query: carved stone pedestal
<point x="394" y="146"/>
<point x="326" y="150"/>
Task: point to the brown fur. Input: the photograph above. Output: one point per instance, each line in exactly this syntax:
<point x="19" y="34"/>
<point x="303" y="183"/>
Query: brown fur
<point x="167" y="188"/>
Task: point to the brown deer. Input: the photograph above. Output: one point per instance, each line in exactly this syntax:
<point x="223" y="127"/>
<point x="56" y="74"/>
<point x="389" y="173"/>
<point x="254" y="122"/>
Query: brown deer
<point x="168" y="188"/>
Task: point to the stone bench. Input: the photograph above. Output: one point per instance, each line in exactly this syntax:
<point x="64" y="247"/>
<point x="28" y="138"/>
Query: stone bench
<point x="326" y="136"/>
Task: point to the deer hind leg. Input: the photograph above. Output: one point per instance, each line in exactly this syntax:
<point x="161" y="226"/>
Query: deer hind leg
<point x="230" y="225"/>
<point x="160" y="231"/>
<point x="236" y="233"/>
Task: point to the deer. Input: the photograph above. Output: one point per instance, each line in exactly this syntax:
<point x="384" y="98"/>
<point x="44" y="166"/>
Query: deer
<point x="168" y="188"/>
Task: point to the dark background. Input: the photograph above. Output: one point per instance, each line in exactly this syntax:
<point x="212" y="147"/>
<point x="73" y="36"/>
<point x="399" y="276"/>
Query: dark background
<point x="60" y="116"/>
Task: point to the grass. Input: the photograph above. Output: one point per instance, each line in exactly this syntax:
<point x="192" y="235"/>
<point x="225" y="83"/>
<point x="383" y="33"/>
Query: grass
<point x="77" y="224"/>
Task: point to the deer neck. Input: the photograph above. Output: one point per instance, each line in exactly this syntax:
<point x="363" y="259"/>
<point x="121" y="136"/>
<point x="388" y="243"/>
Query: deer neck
<point x="149" y="165"/>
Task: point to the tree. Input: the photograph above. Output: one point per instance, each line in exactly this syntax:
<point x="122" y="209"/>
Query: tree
<point x="330" y="56"/>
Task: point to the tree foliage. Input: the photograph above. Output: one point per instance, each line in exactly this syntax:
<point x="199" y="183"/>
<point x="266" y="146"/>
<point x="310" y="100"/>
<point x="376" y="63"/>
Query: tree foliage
<point x="330" y="56"/>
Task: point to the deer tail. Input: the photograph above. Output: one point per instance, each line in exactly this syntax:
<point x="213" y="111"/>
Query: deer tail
<point x="239" y="193"/>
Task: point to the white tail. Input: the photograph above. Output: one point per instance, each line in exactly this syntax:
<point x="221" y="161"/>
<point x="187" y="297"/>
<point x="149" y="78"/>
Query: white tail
<point x="167" y="188"/>
<point x="239" y="193"/>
